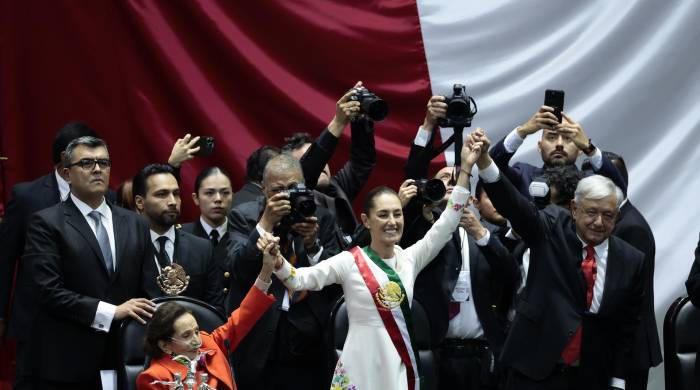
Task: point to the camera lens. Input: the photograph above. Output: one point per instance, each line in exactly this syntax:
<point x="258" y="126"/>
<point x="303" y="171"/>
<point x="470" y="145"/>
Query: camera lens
<point x="458" y="108"/>
<point x="377" y="109"/>
<point x="431" y="191"/>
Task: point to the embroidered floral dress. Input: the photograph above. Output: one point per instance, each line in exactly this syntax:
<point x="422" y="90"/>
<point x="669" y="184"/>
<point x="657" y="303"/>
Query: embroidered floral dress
<point x="369" y="359"/>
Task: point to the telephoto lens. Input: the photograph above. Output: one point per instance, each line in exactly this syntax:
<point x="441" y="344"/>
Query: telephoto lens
<point x="430" y="191"/>
<point x="371" y="105"/>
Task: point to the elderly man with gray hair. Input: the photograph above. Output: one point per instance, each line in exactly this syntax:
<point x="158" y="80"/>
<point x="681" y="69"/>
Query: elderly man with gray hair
<point x="575" y="320"/>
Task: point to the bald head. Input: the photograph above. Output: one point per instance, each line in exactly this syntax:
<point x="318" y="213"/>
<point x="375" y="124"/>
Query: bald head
<point x="281" y="172"/>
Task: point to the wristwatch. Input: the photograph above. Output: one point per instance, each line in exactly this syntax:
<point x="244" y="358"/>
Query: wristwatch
<point x="590" y="148"/>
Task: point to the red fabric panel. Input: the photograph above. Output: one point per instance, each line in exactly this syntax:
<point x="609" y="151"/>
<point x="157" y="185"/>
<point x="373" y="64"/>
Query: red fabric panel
<point x="249" y="73"/>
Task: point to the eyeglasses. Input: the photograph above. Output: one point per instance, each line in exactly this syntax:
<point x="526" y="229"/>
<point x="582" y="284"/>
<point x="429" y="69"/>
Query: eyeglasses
<point x="88" y="164"/>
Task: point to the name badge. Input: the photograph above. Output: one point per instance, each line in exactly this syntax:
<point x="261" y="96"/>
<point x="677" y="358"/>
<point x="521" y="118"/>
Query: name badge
<point x="462" y="291"/>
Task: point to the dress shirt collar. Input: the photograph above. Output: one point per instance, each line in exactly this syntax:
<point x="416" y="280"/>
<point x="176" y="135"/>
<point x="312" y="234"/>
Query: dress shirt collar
<point x="63" y="186"/>
<point x="170" y="234"/>
<point x="84" y="209"/>
<point x="208" y="228"/>
<point x="600" y="249"/>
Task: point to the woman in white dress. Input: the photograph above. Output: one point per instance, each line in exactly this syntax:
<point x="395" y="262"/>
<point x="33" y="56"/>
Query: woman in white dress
<point x="378" y="285"/>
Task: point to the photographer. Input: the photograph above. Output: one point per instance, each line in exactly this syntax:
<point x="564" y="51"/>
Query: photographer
<point x="341" y="189"/>
<point x="462" y="290"/>
<point x="285" y="347"/>
<point x="560" y="144"/>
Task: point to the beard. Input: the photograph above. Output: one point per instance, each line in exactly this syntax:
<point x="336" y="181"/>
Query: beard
<point x="165" y="219"/>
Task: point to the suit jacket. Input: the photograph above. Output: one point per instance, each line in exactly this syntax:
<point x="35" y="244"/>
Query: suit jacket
<point x="347" y="183"/>
<point x="308" y="317"/>
<point x="70" y="276"/>
<point x="221" y="258"/>
<point x="633" y="228"/>
<point x="195" y="255"/>
<point x="521" y="174"/>
<point x="494" y="274"/>
<point x="27" y="198"/>
<point x="248" y="193"/>
<point x="553" y="305"/>
<point x="239" y="324"/>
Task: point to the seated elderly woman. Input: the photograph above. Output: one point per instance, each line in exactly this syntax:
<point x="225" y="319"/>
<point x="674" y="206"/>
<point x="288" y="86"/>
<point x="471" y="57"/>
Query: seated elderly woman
<point x="176" y="345"/>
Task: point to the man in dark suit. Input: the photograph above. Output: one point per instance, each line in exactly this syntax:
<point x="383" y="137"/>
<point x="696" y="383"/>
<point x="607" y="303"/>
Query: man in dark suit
<point x="575" y="321"/>
<point x="561" y="144"/>
<point x="86" y="258"/>
<point x="28" y="198"/>
<point x="284" y="350"/>
<point x="337" y="193"/>
<point x="252" y="189"/>
<point x="463" y="288"/>
<point x="632" y="227"/>
<point x="157" y="197"/>
<point x="213" y="195"/>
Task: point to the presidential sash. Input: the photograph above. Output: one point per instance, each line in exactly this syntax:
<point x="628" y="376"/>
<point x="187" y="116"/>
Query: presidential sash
<point x="393" y="307"/>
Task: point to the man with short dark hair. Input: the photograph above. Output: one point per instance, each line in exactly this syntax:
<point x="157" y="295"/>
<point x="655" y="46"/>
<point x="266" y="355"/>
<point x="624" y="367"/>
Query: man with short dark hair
<point x="560" y="144"/>
<point x="86" y="260"/>
<point x="157" y="198"/>
<point x="255" y="164"/>
<point x="284" y="350"/>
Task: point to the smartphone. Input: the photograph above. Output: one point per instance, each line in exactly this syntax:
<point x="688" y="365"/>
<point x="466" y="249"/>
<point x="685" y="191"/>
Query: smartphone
<point x="555" y="99"/>
<point x="206" y="146"/>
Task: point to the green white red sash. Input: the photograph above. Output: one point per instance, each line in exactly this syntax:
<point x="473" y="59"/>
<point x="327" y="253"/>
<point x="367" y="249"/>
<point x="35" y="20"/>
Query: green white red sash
<point x="396" y="317"/>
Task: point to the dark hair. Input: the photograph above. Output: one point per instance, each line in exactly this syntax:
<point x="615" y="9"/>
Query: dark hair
<point x="564" y="178"/>
<point x="619" y="163"/>
<point x="255" y="165"/>
<point x="139" y="182"/>
<point x="206" y="172"/>
<point x="373" y="194"/>
<point x="68" y="133"/>
<point x="88" y="141"/>
<point x="161" y="327"/>
<point x="296" y="141"/>
<point x="125" y="195"/>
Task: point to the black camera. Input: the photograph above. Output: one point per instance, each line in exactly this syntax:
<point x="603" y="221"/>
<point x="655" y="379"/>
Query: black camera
<point x="303" y="204"/>
<point x="430" y="191"/>
<point x="370" y="104"/>
<point x="460" y="108"/>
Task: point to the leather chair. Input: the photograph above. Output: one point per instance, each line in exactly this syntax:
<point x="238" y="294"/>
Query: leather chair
<point x="421" y="328"/>
<point x="132" y="358"/>
<point x="681" y="342"/>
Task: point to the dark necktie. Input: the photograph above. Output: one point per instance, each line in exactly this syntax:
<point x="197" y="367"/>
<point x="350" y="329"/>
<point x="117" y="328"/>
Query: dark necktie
<point x="102" y="240"/>
<point x="214" y="237"/>
<point x="572" y="351"/>
<point x="162" y="256"/>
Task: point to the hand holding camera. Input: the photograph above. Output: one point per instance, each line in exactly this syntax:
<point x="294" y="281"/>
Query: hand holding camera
<point x="345" y="111"/>
<point x="184" y="149"/>
<point x="277" y="207"/>
<point x="544" y="118"/>
<point x="436" y="110"/>
<point x="308" y="230"/>
<point x="572" y="129"/>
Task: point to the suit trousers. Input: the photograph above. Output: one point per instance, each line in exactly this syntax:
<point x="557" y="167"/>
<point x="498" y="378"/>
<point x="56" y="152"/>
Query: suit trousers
<point x="466" y="365"/>
<point x="562" y="378"/>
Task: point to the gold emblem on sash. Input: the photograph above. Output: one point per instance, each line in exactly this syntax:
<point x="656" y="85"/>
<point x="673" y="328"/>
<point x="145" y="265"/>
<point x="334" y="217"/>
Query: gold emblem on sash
<point x="390" y="295"/>
<point x="173" y="279"/>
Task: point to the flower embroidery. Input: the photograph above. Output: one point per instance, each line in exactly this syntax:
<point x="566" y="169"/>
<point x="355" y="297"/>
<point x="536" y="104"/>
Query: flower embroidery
<point x="341" y="381"/>
<point x="454" y="206"/>
<point x="292" y="275"/>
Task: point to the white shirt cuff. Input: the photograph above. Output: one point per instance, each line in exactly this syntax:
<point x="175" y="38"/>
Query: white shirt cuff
<point x="596" y="160"/>
<point x="484" y="240"/>
<point x="103" y="316"/>
<point x="490" y="174"/>
<point x="617" y="382"/>
<point x="260" y="229"/>
<point x="262" y="285"/>
<point x="512" y="141"/>
<point x="422" y="137"/>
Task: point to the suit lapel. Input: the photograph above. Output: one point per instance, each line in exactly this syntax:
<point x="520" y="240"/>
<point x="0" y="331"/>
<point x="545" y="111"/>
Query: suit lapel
<point x="121" y="233"/>
<point x="75" y="219"/>
<point x="575" y="257"/>
<point x="613" y="268"/>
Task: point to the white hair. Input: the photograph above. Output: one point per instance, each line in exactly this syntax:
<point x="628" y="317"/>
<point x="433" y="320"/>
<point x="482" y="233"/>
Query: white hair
<point x="597" y="187"/>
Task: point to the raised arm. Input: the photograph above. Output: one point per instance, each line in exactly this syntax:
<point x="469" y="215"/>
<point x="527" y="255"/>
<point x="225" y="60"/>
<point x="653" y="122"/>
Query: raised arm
<point x="423" y="251"/>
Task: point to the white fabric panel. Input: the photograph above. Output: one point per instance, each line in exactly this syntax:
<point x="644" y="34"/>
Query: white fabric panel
<point x="629" y="69"/>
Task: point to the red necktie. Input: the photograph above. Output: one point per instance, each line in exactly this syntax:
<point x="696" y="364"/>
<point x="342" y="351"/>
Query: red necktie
<point x="572" y="351"/>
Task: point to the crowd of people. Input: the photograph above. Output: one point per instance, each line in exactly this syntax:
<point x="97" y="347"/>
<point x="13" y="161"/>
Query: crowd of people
<point x="539" y="278"/>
